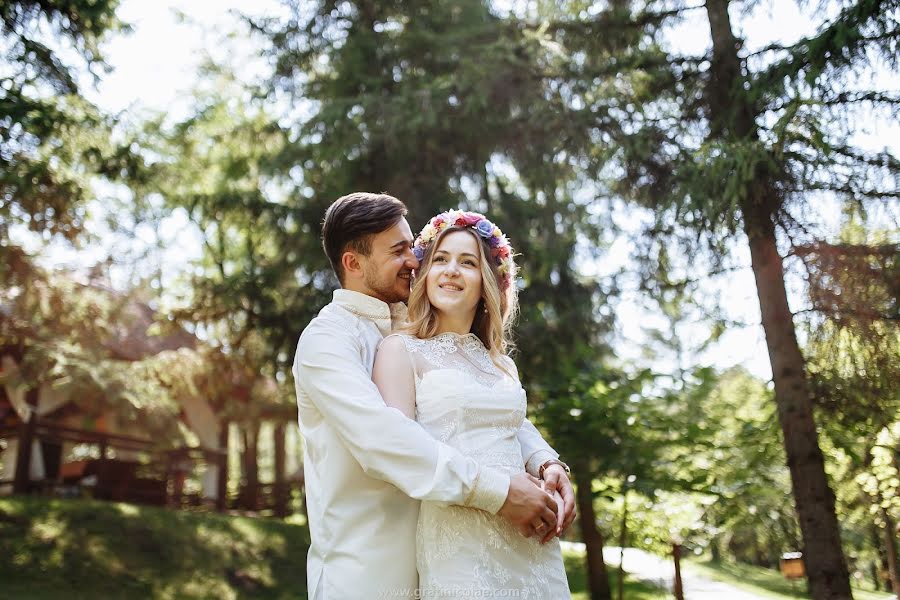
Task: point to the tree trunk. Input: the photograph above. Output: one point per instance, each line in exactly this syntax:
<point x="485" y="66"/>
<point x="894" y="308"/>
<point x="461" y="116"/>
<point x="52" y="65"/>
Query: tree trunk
<point x="678" y="590"/>
<point x="598" y="578"/>
<point x="623" y="536"/>
<point x="890" y="550"/>
<point x="733" y="119"/>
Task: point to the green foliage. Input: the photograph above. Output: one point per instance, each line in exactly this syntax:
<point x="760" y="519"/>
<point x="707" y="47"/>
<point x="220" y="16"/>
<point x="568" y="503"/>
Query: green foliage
<point x="439" y="110"/>
<point x="247" y="287"/>
<point x="51" y="139"/>
<point x="745" y="464"/>
<point x="707" y="468"/>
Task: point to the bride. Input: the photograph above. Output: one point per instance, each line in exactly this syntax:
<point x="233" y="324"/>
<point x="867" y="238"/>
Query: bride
<point x="450" y="372"/>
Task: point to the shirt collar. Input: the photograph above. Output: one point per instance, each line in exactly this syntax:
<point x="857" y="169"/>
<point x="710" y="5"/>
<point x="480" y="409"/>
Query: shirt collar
<point x="367" y="307"/>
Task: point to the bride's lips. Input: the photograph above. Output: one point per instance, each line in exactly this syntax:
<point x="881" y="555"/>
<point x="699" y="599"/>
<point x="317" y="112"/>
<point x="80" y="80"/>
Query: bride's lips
<point x="452" y="287"/>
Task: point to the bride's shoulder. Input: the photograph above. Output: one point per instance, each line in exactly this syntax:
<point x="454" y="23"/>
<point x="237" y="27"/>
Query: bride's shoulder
<point x="399" y="342"/>
<point x="509" y="365"/>
<point x="394" y="340"/>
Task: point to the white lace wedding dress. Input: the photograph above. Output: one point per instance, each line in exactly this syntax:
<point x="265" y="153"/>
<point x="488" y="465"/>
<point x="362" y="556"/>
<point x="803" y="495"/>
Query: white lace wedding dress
<point x="465" y="401"/>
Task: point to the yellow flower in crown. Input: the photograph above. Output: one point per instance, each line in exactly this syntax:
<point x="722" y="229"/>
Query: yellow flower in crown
<point x="500" y="250"/>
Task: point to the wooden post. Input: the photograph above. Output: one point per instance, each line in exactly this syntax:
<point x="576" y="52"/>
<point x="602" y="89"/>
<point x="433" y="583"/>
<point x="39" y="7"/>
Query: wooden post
<point x="251" y="464"/>
<point x="177" y="464"/>
<point x="280" y="486"/>
<point x="27" y="428"/>
<point x="222" y="483"/>
<point x="676" y="554"/>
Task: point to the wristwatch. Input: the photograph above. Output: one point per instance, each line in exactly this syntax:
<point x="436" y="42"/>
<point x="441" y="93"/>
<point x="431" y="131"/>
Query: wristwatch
<point x="553" y="461"/>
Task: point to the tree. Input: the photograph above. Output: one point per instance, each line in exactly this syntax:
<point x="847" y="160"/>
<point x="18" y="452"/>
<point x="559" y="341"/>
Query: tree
<point x="729" y="146"/>
<point x="441" y="105"/>
<point x="52" y="140"/>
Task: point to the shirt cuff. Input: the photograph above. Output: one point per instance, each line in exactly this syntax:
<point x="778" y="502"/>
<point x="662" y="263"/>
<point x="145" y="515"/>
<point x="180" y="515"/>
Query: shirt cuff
<point x="489" y="491"/>
<point x="537" y="459"/>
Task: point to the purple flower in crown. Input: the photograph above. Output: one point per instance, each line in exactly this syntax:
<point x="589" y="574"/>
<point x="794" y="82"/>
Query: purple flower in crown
<point x="485" y="229"/>
<point x="419" y="252"/>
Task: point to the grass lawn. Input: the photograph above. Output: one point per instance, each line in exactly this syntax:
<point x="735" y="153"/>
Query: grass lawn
<point x="764" y="582"/>
<point x="92" y="550"/>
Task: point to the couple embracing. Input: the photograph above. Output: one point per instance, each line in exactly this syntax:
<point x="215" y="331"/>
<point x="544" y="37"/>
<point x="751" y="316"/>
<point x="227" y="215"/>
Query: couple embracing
<point x="424" y="479"/>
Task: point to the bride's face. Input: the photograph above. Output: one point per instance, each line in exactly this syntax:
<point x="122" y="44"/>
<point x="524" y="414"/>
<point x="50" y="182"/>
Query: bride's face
<point x="453" y="282"/>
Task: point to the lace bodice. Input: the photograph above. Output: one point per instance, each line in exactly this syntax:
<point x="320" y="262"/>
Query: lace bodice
<point x="464" y="353"/>
<point x="466" y="401"/>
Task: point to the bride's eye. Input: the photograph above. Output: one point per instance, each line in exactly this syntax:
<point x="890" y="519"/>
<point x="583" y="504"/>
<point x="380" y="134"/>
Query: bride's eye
<point x="439" y="259"/>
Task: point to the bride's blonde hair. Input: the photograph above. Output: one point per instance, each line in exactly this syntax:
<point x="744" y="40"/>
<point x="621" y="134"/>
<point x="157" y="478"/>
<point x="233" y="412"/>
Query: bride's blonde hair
<point x="495" y="313"/>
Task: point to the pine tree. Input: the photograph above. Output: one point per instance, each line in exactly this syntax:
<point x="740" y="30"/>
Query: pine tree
<point x="726" y="146"/>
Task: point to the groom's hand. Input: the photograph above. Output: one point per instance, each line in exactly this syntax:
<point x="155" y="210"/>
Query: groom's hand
<point x="529" y="508"/>
<point x="556" y="480"/>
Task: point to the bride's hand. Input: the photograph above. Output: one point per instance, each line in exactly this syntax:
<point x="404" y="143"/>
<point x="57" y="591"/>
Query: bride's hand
<point x="560" y="516"/>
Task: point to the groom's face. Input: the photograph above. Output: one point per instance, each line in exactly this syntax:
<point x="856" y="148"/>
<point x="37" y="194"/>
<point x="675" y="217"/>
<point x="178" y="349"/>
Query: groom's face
<point x="388" y="268"/>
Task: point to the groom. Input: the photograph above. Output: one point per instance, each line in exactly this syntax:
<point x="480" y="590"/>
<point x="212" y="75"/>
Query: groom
<point x="367" y="465"/>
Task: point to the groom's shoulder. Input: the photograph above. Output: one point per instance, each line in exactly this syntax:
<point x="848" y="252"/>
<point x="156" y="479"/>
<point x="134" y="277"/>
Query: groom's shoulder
<point x="331" y="321"/>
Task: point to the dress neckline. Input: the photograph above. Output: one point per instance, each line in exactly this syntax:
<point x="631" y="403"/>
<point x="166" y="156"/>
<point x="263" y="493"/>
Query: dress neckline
<point x="455" y="336"/>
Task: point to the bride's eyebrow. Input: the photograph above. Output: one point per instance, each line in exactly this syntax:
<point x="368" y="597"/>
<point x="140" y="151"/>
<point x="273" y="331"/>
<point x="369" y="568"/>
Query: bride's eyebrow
<point x="469" y="254"/>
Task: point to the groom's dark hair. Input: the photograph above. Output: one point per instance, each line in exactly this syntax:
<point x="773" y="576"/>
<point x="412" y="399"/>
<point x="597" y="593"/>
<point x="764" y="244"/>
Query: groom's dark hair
<point x="352" y="220"/>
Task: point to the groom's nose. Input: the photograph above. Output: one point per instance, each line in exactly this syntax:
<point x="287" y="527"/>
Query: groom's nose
<point x="411" y="261"/>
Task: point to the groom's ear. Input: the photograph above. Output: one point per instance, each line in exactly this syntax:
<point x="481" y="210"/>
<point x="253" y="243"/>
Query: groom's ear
<point x="352" y="266"/>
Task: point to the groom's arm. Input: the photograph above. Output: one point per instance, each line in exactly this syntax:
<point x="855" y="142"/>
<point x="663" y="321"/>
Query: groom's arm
<point x="387" y="445"/>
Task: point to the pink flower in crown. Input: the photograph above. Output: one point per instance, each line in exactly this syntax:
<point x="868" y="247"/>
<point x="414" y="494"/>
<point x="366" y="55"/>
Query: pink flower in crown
<point x="503" y="251"/>
<point x="470" y="219"/>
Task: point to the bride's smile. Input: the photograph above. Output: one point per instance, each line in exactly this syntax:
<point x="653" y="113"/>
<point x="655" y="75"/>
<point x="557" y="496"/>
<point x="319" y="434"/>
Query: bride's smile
<point x="453" y="282"/>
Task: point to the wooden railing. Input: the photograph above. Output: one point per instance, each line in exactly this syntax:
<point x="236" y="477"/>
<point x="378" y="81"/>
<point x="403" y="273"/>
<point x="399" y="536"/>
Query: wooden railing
<point x="159" y="478"/>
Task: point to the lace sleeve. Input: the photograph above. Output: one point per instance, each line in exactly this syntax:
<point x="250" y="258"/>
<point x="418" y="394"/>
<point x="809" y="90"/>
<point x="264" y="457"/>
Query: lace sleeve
<point x="412" y="354"/>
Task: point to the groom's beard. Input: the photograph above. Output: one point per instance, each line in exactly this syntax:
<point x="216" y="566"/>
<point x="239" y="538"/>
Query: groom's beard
<point x="390" y="289"/>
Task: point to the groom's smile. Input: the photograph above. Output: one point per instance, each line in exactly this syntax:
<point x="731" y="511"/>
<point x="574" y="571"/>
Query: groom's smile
<point x="389" y="266"/>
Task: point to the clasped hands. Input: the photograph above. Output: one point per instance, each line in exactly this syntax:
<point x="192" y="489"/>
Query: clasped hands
<point x="544" y="508"/>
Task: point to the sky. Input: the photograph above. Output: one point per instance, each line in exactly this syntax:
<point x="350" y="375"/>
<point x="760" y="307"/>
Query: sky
<point x="155" y="68"/>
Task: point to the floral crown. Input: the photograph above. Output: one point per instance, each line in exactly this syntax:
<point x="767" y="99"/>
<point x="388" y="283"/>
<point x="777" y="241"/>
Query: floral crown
<point x="501" y="251"/>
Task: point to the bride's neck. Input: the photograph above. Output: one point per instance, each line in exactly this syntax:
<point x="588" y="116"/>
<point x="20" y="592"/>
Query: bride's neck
<point x="461" y="324"/>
